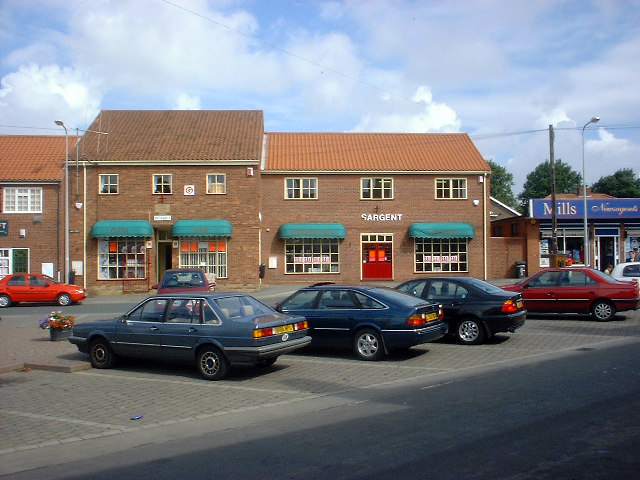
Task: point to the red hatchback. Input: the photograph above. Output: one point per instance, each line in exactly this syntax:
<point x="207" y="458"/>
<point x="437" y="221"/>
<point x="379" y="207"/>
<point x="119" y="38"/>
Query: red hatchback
<point x="577" y="290"/>
<point x="35" y="287"/>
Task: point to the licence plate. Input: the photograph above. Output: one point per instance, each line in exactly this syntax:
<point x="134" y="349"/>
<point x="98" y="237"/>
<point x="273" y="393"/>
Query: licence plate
<point x="431" y="316"/>
<point x="284" y="329"/>
<point x="519" y="304"/>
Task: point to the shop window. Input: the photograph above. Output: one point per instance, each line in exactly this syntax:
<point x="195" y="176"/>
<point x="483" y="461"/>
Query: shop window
<point x="312" y="255"/>
<point x="120" y="258"/>
<point x="441" y="255"/>
<point x="451" y="188"/>
<point x="216" y="183"/>
<point x="162" y="183"/>
<point x="376" y="188"/>
<point x="206" y="253"/>
<point x="22" y="200"/>
<point x="300" y="188"/>
<point x="109" y="184"/>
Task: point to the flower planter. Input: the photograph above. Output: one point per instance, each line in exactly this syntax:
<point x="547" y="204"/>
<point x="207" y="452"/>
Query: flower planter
<point x="59" y="334"/>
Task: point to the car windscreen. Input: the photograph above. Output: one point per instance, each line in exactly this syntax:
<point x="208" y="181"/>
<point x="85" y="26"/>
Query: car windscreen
<point x="396" y="296"/>
<point x="484" y="286"/>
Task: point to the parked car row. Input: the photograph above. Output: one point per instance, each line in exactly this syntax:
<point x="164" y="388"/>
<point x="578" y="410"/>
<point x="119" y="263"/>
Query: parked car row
<point x="215" y="330"/>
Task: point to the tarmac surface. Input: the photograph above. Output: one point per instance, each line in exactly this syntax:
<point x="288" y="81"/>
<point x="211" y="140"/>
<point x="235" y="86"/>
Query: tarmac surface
<point x="52" y="398"/>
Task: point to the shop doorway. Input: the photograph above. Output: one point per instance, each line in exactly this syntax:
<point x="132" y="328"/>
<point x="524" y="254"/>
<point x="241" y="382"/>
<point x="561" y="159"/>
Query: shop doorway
<point x="165" y="253"/>
<point x="606" y="252"/>
<point x="377" y="256"/>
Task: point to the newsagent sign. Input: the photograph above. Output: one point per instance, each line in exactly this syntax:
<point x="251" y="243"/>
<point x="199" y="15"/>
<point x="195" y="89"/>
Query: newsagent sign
<point x="617" y="208"/>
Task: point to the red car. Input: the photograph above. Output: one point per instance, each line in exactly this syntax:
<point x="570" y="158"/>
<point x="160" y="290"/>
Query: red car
<point x="35" y="287"/>
<point x="577" y="290"/>
<point x="185" y="280"/>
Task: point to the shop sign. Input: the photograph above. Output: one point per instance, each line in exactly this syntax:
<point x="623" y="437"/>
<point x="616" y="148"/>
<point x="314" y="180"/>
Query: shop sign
<point x="323" y="259"/>
<point x="596" y="208"/>
<point x="381" y="217"/>
<point x="159" y="218"/>
<point x="4" y="228"/>
<point x="441" y="258"/>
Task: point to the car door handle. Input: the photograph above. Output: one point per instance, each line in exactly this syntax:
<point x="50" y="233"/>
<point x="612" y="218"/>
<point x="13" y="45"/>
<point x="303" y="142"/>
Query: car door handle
<point x="152" y="329"/>
<point x="193" y="330"/>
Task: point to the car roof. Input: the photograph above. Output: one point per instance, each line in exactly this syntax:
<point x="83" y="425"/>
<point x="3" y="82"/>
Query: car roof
<point x="191" y="294"/>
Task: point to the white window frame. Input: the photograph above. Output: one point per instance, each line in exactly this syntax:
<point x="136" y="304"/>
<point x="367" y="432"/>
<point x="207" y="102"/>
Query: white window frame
<point x="211" y="260"/>
<point x="436" y="255"/>
<point x="386" y="184"/>
<point x="216" y="188"/>
<point x="162" y="180"/>
<point x="449" y="186"/>
<point x="108" y="183"/>
<point x="301" y="188"/>
<point x="22" y="200"/>
<point x="311" y="256"/>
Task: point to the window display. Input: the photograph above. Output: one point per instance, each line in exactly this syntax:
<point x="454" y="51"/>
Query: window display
<point x="120" y="258"/>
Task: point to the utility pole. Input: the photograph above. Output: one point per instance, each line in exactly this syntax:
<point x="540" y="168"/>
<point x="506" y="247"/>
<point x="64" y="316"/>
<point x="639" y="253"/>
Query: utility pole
<point x="554" y="219"/>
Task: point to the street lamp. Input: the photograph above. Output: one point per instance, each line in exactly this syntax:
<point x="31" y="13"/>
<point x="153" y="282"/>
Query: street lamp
<point x="66" y="201"/>
<point x="587" y="260"/>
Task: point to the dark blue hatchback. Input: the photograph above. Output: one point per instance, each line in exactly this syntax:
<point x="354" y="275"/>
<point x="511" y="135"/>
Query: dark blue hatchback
<point x="370" y="320"/>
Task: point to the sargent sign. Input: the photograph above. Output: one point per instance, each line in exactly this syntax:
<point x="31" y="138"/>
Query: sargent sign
<point x="382" y="217"/>
<point x="596" y="208"/>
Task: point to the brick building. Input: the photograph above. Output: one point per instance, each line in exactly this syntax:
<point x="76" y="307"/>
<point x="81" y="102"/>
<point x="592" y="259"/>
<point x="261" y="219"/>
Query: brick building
<point x="32" y="221"/>
<point x="152" y="190"/>
<point x="350" y="207"/>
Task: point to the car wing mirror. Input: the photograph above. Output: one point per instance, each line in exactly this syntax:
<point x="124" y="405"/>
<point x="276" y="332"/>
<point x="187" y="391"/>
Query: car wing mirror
<point x="155" y="287"/>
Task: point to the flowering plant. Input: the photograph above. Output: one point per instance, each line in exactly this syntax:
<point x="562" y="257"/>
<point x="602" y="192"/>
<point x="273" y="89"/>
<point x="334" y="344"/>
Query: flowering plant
<point x="57" y="320"/>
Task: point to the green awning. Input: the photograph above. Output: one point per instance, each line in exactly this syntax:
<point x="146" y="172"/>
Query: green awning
<point x="121" y="228"/>
<point x="312" y="230"/>
<point x="201" y="228"/>
<point x="441" y="230"/>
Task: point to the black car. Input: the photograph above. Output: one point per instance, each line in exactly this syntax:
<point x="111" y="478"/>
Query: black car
<point x="474" y="309"/>
<point x="212" y="330"/>
<point x="370" y="320"/>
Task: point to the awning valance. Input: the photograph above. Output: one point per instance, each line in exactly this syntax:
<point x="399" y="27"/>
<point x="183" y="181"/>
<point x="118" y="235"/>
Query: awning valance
<point x="121" y="228"/>
<point x="201" y="228"/>
<point x="312" y="230"/>
<point x="441" y="230"/>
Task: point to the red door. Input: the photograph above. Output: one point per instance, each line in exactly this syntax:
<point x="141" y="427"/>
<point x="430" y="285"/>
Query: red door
<point x="376" y="261"/>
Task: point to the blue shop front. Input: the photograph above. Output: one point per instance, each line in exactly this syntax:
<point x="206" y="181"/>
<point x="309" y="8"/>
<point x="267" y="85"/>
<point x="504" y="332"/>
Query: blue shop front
<point x="613" y="228"/>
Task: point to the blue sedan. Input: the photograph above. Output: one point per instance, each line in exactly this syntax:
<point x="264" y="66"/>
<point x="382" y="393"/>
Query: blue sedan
<point x="213" y="330"/>
<point x="370" y="320"/>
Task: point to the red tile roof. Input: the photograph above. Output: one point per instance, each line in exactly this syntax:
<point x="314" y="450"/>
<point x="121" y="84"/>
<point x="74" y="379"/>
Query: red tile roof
<point x="175" y="135"/>
<point x="411" y="152"/>
<point x="33" y="158"/>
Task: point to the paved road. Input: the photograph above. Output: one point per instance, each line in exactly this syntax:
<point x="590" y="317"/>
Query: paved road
<point x="44" y="413"/>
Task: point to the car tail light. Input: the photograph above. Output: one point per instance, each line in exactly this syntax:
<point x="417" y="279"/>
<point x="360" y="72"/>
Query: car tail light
<point x="280" y="329"/>
<point x="420" y="319"/>
<point x="509" y="307"/>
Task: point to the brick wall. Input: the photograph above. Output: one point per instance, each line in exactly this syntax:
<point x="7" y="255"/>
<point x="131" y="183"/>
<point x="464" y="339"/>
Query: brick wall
<point x="339" y="201"/>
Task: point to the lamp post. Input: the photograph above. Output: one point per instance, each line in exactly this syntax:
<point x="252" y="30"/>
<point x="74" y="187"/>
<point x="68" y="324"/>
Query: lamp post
<point x="66" y="201"/>
<point x="587" y="260"/>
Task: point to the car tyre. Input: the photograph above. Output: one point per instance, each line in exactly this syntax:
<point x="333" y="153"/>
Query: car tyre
<point x="5" y="301"/>
<point x="212" y="364"/>
<point x="367" y="345"/>
<point x="603" y="310"/>
<point x="469" y="331"/>
<point x="64" y="299"/>
<point x="101" y="355"/>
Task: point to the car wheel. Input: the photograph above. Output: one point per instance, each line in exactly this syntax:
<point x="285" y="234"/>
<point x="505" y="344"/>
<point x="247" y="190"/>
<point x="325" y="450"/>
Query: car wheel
<point x="5" y="301"/>
<point x="266" y="362"/>
<point x="64" y="299"/>
<point x="212" y="364"/>
<point x="603" y="310"/>
<point x="470" y="331"/>
<point x="100" y="354"/>
<point x="367" y="345"/>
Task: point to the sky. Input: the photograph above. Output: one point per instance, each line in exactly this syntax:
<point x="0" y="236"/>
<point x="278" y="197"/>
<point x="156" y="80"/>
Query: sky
<point x="502" y="71"/>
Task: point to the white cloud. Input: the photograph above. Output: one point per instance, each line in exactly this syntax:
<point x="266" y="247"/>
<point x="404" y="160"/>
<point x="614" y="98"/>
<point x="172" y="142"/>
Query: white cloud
<point x="185" y="101"/>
